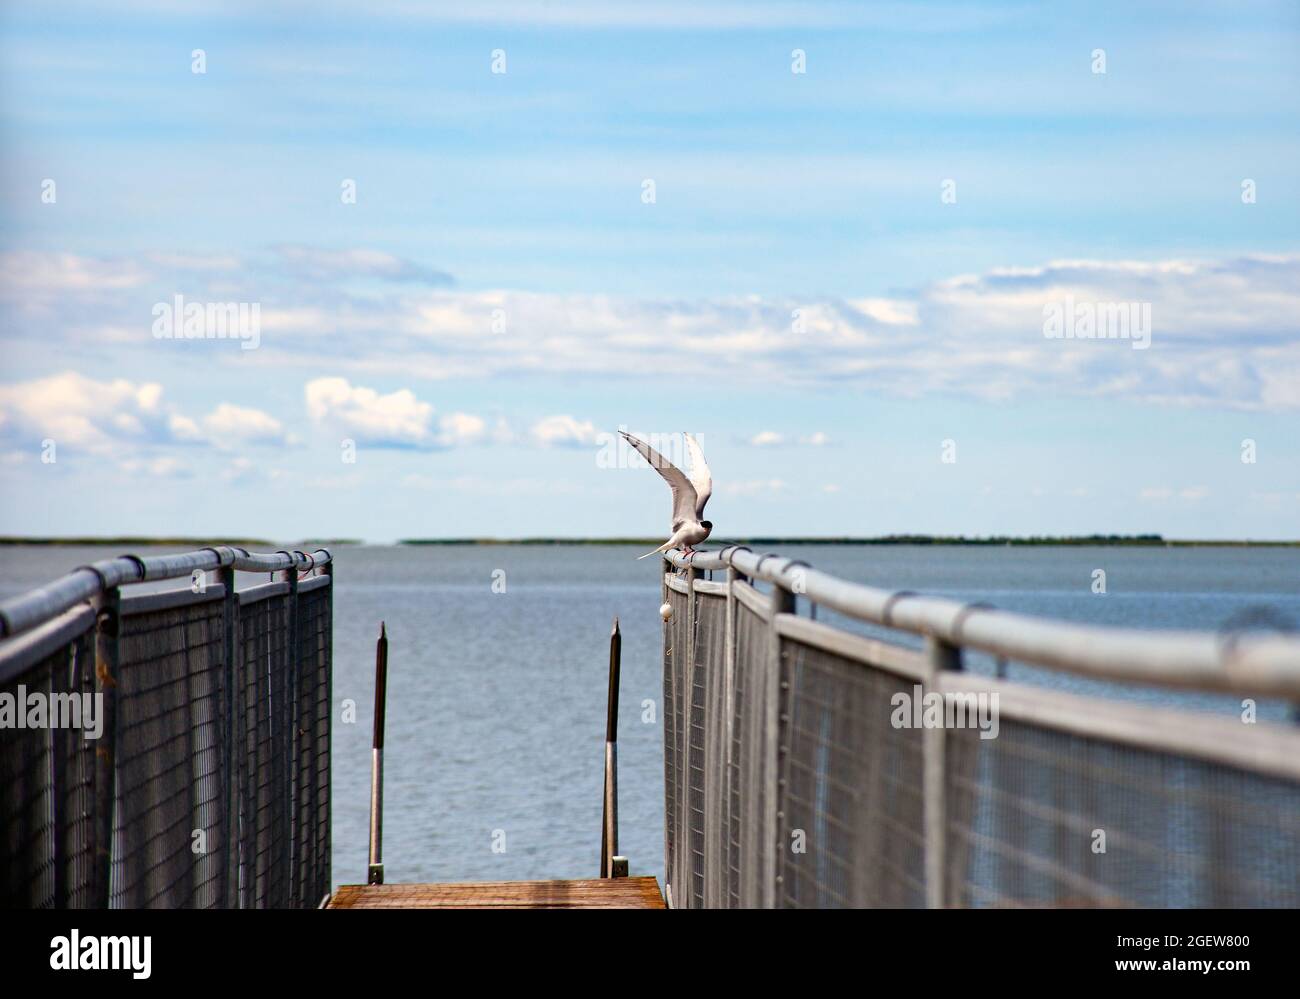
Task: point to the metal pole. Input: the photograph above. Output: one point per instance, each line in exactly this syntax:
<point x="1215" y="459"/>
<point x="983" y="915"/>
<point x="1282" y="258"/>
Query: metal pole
<point x="609" y="814"/>
<point x="107" y="627"/>
<point x="375" y="876"/>
<point x="63" y="743"/>
<point x="230" y="762"/>
<point x="288" y="717"/>
<point x="327" y="880"/>
<point x="684" y="688"/>
<point x="669" y="730"/>
<point x="942" y="657"/>
<point x="774" y="764"/>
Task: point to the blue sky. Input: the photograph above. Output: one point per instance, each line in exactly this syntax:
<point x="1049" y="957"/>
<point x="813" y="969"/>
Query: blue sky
<point x="799" y="293"/>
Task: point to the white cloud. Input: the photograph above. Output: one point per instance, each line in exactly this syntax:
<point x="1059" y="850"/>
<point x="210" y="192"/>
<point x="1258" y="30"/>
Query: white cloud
<point x="461" y="428"/>
<point x="115" y="416"/>
<point x="563" y="431"/>
<point x="183" y="428"/>
<point x="160" y="467"/>
<point x="395" y="420"/>
<point x="332" y="265"/>
<point x="229" y="425"/>
<point x="896" y="312"/>
<point x="1224" y="332"/>
<point x="80" y="412"/>
<point x="770" y="438"/>
<point x="26" y="273"/>
<point x="245" y="469"/>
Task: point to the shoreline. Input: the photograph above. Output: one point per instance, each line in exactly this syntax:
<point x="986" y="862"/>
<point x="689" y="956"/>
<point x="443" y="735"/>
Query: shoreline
<point x="1092" y="540"/>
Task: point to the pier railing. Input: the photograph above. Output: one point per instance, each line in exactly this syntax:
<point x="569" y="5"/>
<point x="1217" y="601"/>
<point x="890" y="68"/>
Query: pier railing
<point x="807" y="765"/>
<point x="207" y="783"/>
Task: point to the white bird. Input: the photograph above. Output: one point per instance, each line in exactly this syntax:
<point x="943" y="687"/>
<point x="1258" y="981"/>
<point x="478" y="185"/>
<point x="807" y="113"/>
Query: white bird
<point x="689" y="495"/>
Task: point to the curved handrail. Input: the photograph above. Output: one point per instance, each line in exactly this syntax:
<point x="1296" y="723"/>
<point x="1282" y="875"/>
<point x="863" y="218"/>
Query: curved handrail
<point x="27" y="610"/>
<point x="1254" y="663"/>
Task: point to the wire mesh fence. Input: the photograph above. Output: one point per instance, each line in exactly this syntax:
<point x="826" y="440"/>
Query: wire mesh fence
<point x="205" y="779"/>
<point x="852" y="831"/>
<point x="168" y="809"/>
<point x="47" y="786"/>
<point x="675" y="722"/>
<point x="1048" y="818"/>
<point x="311" y="792"/>
<point x="749" y="846"/>
<point x="810" y="767"/>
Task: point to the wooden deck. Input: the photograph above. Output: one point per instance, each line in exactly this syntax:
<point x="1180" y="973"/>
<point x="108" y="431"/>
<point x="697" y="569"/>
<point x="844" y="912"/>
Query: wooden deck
<point x="597" y="893"/>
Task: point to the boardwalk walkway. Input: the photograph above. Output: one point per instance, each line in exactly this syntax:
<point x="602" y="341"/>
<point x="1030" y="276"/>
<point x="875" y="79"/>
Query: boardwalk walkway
<point x="597" y="893"/>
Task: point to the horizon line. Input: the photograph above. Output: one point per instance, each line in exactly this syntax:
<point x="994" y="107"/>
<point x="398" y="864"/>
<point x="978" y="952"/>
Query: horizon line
<point x="1076" y="540"/>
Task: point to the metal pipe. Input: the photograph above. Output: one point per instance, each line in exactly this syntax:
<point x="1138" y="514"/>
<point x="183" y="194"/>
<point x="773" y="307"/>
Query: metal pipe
<point x="609" y="814"/>
<point x="1265" y="665"/>
<point x="27" y="610"/>
<point x="375" y="874"/>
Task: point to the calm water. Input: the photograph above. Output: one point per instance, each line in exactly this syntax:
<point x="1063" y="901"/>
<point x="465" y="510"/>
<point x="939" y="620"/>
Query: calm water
<point x="496" y="700"/>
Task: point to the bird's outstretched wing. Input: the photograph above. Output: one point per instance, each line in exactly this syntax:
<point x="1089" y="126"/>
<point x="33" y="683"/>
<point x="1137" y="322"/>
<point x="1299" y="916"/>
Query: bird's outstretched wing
<point x="684" y="497"/>
<point x="701" y="477"/>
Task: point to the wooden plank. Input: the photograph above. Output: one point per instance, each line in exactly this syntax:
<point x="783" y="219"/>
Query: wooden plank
<point x="595" y="893"/>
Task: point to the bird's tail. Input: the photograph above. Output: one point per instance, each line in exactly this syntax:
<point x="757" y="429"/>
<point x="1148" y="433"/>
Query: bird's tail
<point x="662" y="548"/>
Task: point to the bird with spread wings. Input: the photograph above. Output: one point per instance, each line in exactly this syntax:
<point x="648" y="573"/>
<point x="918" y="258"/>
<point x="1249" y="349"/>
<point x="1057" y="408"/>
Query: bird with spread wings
<point x="689" y="494"/>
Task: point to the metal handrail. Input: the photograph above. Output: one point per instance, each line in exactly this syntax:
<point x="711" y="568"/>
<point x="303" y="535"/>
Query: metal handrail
<point x="26" y="611"/>
<point x="1251" y="663"/>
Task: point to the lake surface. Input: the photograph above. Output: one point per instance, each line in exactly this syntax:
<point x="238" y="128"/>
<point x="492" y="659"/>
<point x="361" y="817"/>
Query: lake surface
<point x="496" y="699"/>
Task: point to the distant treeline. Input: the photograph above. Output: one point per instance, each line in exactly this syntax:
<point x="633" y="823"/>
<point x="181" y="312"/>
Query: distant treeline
<point x="261" y="544"/>
<point x="888" y="539"/>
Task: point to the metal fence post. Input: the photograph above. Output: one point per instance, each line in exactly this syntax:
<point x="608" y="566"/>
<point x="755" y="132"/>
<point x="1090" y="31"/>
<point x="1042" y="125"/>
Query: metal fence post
<point x="686" y="704"/>
<point x="375" y="868"/>
<point x="230" y="624"/>
<point x="942" y="656"/>
<point x="783" y="602"/>
<point x="728" y="731"/>
<point x="62" y="740"/>
<point x="329" y="727"/>
<point x="609" y="813"/>
<point x="107" y="628"/>
<point x="290" y="718"/>
<point x="669" y="730"/>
